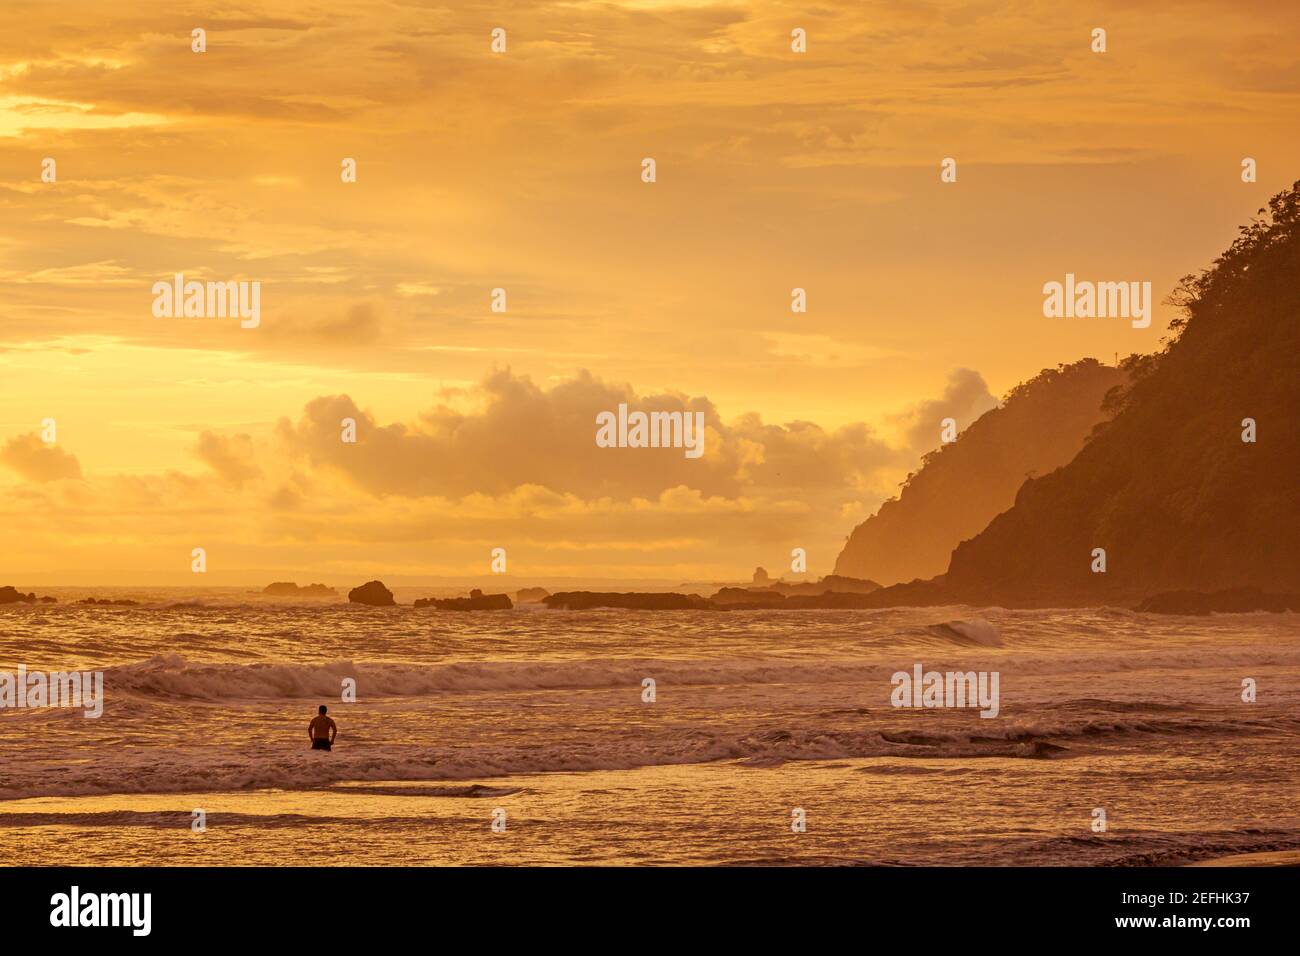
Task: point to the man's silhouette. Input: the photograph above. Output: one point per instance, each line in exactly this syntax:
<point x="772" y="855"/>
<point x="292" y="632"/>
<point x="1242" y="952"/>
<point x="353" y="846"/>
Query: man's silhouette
<point x="322" y="731"/>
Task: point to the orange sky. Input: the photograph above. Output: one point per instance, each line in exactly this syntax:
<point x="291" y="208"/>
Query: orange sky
<point x="522" y="170"/>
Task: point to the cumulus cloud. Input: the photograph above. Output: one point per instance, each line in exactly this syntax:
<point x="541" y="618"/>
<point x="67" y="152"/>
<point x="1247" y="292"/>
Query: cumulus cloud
<point x="357" y="326"/>
<point x="965" y="398"/>
<point x="522" y="434"/>
<point x="230" y="456"/>
<point x="504" y="463"/>
<point x="37" y="461"/>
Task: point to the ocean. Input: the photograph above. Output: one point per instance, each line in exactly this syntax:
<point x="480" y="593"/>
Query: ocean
<point x="526" y="736"/>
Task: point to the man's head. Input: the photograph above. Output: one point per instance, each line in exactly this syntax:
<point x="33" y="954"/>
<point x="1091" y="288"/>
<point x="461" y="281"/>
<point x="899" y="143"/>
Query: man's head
<point x="322" y="710"/>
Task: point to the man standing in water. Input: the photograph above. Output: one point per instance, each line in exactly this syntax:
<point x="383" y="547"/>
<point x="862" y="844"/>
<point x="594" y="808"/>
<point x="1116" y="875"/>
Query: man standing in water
<point x="322" y="731"/>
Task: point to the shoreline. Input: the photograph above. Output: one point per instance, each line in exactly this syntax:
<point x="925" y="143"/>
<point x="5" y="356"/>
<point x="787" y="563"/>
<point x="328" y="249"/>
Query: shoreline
<point x="559" y="818"/>
<point x="1269" y="858"/>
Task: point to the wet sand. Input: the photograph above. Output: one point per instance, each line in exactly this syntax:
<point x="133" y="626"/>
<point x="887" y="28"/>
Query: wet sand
<point x="875" y="811"/>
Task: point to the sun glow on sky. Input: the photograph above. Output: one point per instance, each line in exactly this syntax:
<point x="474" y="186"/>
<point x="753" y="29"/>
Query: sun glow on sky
<point x="522" y="171"/>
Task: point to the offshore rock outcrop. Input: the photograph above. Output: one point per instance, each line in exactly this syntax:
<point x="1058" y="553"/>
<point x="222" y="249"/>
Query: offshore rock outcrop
<point x="11" y="595"/>
<point x="373" y="593"/>
<point x="290" y="589"/>
<point x="477" y="601"/>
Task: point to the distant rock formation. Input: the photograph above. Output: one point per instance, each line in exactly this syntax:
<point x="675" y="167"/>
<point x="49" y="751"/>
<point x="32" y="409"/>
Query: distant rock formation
<point x="531" y="595"/>
<point x="11" y="595"/>
<point x="914" y="594"/>
<point x="747" y="598"/>
<point x="832" y="582"/>
<point x="290" y="589"/>
<point x="373" y="593"/>
<point x="832" y="600"/>
<point x="120" y="602"/>
<point x="726" y="599"/>
<point x="761" y="578"/>
<point x="918" y="593"/>
<point x="587" y="600"/>
<point x="477" y="601"/>
<point x="1230" y="601"/>
<point x="774" y="594"/>
<point x="1192" y="484"/>
<point x="961" y="486"/>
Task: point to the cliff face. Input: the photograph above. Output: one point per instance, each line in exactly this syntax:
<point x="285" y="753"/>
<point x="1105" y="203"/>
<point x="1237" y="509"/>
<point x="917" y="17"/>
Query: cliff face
<point x="961" y="486"/>
<point x="1168" y="487"/>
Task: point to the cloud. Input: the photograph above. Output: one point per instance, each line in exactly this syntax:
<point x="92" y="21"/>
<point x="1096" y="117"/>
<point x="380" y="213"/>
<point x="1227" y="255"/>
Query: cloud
<point x="232" y="457"/>
<point x="965" y="398"/>
<point x="356" y="327"/>
<point x="823" y="351"/>
<point x="93" y="274"/>
<point x="521" y="434"/>
<point x="503" y="463"/>
<point x="37" y="461"/>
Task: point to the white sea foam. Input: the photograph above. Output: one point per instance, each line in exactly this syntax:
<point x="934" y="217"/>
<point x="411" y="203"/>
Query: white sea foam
<point x="219" y="698"/>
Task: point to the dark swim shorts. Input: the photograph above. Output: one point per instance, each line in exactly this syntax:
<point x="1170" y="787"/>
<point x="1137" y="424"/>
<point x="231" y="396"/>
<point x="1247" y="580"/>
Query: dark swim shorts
<point x="320" y="744"/>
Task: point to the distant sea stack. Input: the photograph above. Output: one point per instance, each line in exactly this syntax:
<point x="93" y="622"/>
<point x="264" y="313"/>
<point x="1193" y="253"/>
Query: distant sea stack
<point x="1192" y="484"/>
<point x="531" y="595"/>
<point x="373" y="593"/>
<point x="477" y="601"/>
<point x="961" y="486"/>
<point x="290" y="589"/>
